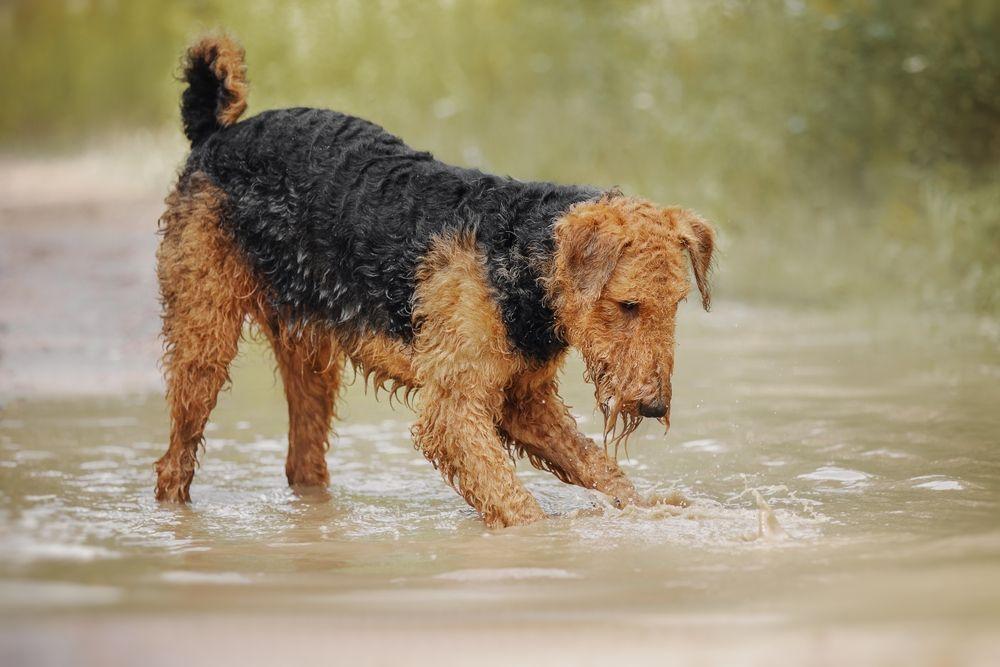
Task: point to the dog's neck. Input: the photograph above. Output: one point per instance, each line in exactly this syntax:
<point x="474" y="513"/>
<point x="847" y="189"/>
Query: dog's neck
<point x="520" y="261"/>
<point x="519" y="258"/>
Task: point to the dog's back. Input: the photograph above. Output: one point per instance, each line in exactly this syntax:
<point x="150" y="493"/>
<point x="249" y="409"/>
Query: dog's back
<point x="339" y="214"/>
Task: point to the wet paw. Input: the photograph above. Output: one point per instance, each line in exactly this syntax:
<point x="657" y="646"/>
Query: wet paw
<point x="172" y="494"/>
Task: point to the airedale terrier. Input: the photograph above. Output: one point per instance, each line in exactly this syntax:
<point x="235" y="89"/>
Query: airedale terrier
<point x="340" y="242"/>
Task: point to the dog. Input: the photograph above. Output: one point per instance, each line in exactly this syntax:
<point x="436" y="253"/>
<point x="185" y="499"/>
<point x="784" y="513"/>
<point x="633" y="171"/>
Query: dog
<point x="339" y="242"/>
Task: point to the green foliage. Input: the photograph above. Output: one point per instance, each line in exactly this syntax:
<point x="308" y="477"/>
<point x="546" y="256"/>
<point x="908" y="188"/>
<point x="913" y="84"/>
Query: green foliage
<point x="845" y="148"/>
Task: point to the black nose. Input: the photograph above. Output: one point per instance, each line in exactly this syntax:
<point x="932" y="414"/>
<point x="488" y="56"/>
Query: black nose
<point x="654" y="409"/>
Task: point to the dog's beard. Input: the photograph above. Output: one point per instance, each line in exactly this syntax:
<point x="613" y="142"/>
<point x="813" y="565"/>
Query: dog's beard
<point x="621" y="418"/>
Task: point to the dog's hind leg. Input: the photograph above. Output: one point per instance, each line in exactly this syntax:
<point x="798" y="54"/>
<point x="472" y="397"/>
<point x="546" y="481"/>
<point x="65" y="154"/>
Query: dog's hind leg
<point x="537" y="424"/>
<point x="206" y="291"/>
<point x="311" y="364"/>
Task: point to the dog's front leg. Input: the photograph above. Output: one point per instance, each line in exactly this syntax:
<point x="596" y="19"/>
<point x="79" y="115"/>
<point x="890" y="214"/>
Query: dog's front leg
<point x="537" y="423"/>
<point x="462" y="361"/>
<point x="457" y="433"/>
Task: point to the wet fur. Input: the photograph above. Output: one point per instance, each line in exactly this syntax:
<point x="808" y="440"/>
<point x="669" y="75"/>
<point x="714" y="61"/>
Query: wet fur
<point x="339" y="242"/>
<point x="321" y="203"/>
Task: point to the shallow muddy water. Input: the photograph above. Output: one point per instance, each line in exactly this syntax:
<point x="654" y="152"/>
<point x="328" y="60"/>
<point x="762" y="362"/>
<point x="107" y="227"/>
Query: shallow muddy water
<point x="872" y="444"/>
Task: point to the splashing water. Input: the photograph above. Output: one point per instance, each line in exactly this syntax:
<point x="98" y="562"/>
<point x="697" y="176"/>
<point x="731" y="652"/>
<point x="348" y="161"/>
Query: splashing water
<point x="768" y="527"/>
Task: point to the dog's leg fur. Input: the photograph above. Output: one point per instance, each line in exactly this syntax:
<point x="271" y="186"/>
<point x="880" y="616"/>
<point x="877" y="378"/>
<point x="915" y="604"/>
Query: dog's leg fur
<point x="311" y="364"/>
<point x="456" y="432"/>
<point x="537" y="424"/>
<point x="206" y="292"/>
<point x="463" y="362"/>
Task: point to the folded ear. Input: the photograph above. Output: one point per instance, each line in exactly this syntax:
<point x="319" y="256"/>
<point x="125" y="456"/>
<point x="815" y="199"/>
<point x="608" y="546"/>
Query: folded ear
<point x="699" y="239"/>
<point x="587" y="251"/>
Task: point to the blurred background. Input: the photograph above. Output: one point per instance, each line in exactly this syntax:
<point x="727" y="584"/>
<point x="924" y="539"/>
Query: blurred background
<point x="835" y="420"/>
<point x="848" y="150"/>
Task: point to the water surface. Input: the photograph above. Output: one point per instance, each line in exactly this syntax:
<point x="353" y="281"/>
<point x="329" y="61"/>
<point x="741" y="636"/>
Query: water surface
<point x="873" y="440"/>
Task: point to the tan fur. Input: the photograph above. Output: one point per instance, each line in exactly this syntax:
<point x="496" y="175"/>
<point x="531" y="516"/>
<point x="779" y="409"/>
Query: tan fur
<point x="699" y="239"/>
<point x="227" y="60"/>
<point x="206" y="291"/>
<point x="537" y="424"/>
<point x="384" y="362"/>
<point x="311" y="365"/>
<point x="618" y="251"/>
<point x="464" y="362"/>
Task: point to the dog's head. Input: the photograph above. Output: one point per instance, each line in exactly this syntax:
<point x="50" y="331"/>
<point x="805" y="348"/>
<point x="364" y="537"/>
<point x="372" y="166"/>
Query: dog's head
<point x="620" y="270"/>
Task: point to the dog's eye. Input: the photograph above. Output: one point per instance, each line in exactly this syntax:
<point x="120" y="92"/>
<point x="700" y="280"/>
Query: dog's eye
<point x="629" y="307"/>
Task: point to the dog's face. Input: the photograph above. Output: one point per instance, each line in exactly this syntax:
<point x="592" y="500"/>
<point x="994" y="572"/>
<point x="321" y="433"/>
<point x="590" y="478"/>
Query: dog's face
<point x="619" y="273"/>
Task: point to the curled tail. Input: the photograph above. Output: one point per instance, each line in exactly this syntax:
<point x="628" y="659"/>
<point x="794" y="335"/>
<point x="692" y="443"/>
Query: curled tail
<point x="216" y="92"/>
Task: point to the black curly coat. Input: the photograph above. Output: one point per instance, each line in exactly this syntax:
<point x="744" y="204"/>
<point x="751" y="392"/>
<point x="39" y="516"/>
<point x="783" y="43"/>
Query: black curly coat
<point x="336" y="215"/>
